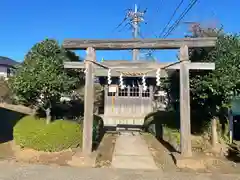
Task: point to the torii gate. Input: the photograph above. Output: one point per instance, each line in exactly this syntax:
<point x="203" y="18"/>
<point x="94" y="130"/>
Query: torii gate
<point x="96" y="69"/>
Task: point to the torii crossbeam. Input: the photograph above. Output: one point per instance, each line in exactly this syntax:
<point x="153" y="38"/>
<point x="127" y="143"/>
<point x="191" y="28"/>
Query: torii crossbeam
<point x="149" y="69"/>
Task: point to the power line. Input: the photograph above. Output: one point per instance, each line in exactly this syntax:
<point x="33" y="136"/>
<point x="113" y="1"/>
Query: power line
<point x="174" y="13"/>
<point x="120" y="24"/>
<point x="177" y="22"/>
<point x="125" y="26"/>
<point x="175" y="25"/>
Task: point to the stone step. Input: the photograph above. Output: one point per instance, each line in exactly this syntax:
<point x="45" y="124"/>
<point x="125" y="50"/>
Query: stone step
<point x="114" y="121"/>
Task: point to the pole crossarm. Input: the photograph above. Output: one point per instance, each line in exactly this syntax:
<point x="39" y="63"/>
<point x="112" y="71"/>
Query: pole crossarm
<point x="136" y="69"/>
<point x="125" y="44"/>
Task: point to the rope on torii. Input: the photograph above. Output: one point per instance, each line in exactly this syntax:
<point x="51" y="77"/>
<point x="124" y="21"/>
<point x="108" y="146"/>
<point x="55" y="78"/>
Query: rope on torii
<point x="144" y="82"/>
<point x="109" y="77"/>
<point x="122" y="86"/>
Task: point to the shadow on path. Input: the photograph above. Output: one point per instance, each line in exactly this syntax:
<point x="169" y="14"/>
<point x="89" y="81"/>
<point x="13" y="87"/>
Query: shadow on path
<point x="154" y="123"/>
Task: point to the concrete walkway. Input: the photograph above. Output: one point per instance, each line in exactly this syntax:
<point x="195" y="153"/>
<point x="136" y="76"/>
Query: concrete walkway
<point x="18" y="171"/>
<point x="131" y="152"/>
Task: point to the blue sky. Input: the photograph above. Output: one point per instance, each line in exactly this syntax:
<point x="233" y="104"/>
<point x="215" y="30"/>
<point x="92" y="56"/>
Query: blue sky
<point x="26" y="22"/>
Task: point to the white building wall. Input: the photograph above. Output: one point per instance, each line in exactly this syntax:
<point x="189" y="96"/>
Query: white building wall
<point x="3" y="71"/>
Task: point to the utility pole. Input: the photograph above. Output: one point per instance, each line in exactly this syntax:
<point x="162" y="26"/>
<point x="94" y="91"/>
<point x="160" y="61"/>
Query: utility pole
<point x="135" y="17"/>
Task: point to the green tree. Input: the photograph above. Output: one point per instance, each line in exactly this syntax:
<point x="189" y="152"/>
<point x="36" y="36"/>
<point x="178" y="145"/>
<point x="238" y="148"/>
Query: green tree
<point x="196" y="55"/>
<point x="214" y="91"/>
<point x="41" y="79"/>
<point x="98" y="95"/>
<point x="211" y="91"/>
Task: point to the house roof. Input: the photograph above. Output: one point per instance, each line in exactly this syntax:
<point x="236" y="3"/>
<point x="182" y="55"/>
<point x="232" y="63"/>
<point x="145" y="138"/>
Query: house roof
<point x="7" y="61"/>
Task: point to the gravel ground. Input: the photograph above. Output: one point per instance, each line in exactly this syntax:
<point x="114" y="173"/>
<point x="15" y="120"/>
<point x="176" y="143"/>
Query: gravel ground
<point x="16" y="171"/>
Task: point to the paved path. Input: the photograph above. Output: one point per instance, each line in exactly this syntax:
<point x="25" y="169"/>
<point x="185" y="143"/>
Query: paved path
<point x="131" y="152"/>
<point x="16" y="171"/>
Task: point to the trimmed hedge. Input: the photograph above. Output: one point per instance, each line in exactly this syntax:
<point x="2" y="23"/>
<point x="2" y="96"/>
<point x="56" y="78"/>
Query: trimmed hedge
<point x="98" y="129"/>
<point x="34" y="133"/>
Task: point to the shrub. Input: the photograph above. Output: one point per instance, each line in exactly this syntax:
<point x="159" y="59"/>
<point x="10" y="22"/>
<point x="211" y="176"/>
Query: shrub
<point x="34" y="133"/>
<point x="98" y="129"/>
<point x="172" y="134"/>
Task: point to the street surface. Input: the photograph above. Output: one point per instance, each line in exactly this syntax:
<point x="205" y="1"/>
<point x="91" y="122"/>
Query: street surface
<point x="17" y="171"/>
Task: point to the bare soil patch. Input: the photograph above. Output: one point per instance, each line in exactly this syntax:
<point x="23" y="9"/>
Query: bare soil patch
<point x="10" y="151"/>
<point x="163" y="157"/>
<point x="6" y="151"/>
<point x="40" y="157"/>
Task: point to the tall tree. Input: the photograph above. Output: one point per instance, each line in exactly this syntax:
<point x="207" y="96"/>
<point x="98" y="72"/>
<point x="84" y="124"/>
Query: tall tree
<point x="215" y="90"/>
<point x="211" y="91"/>
<point x="41" y="80"/>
